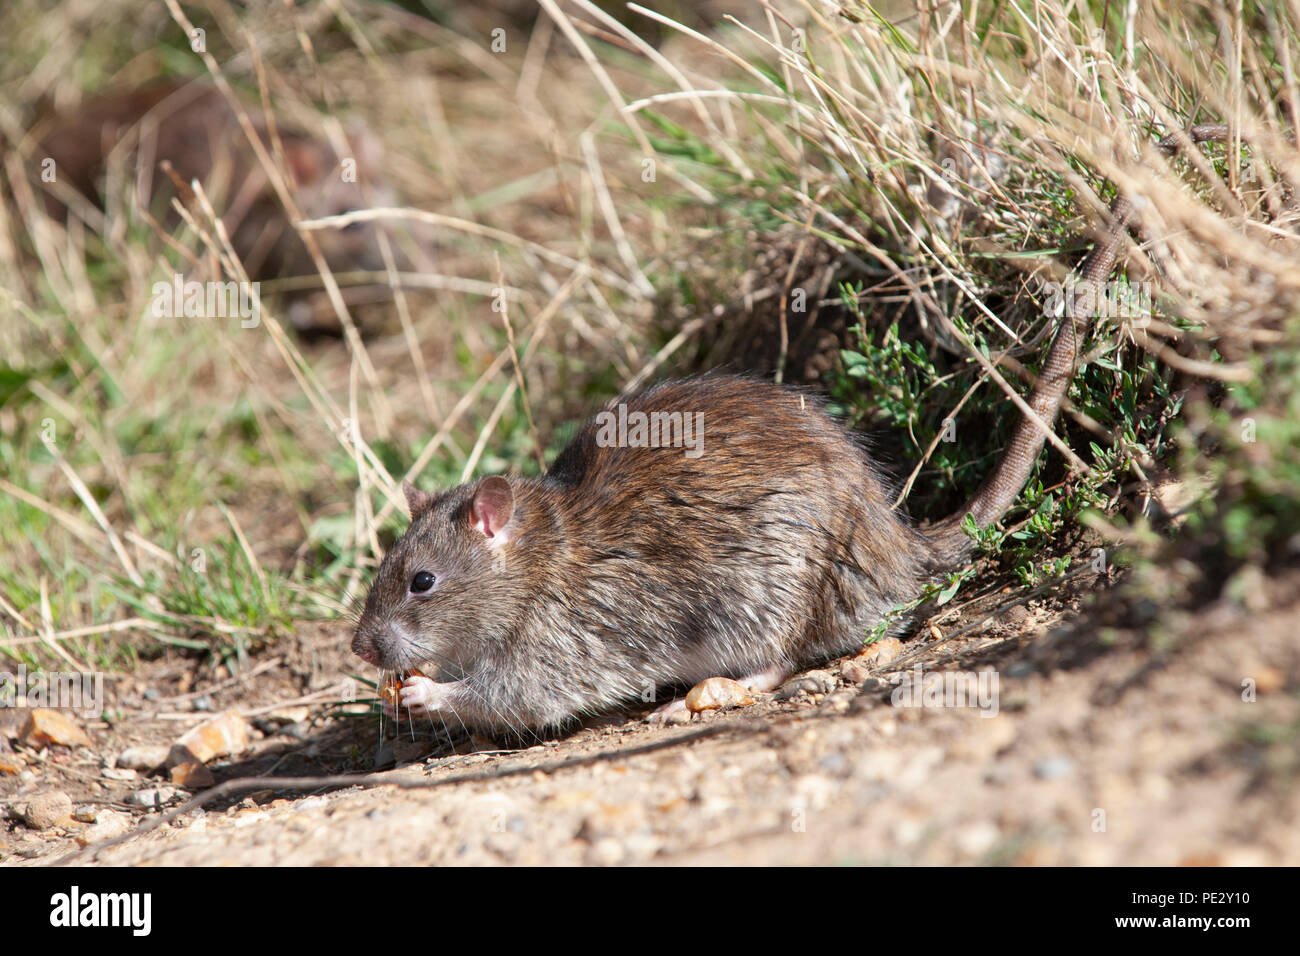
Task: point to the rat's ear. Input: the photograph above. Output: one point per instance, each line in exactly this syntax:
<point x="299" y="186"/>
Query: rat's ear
<point x="416" y="499"/>
<point x="304" y="159"/>
<point x="492" y="506"/>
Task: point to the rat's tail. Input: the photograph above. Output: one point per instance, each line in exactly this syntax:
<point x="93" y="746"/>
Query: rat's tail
<point x="1000" y="490"/>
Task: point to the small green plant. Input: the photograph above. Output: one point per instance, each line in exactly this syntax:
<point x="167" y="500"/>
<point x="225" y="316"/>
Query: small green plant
<point x="216" y="600"/>
<point x="1247" y="447"/>
<point x="938" y="592"/>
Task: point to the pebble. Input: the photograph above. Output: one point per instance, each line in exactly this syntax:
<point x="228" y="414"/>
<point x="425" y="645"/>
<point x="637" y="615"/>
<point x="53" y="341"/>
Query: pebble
<point x="119" y="773"/>
<point x="641" y="846"/>
<point x="10" y="765"/>
<point x="299" y="730"/>
<point x="976" y="839"/>
<point x="908" y="830"/>
<point x="47" y="810"/>
<point x="45" y="727"/>
<point x="812" y="683"/>
<point x="839" y="703"/>
<point x="142" y="758"/>
<point x="108" y="824"/>
<point x="1018" y="669"/>
<point x="152" y="798"/>
<point x="191" y="776"/>
<point x="1053" y="768"/>
<point x="879" y="653"/>
<point x="812" y="791"/>
<point x="606" y="852"/>
<point x="717" y="693"/>
<point x="855" y="673"/>
<point x="1269" y="680"/>
<point x="290" y="715"/>
<point x="228" y="734"/>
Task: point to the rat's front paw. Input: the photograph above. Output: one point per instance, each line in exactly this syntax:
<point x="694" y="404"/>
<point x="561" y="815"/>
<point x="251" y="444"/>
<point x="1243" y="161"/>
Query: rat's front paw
<point x="421" y="697"/>
<point x="419" y="694"/>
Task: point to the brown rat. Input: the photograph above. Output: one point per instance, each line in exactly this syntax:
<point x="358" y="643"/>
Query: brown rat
<point x="193" y="127"/>
<point x="628" y="568"/>
<point x="763" y="540"/>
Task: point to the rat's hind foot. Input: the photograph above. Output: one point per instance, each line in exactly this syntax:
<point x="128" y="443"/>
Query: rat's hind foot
<point x="661" y="714"/>
<point x="767" y="679"/>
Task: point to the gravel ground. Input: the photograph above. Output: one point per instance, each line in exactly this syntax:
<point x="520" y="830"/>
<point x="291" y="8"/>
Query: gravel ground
<point x="1096" y="755"/>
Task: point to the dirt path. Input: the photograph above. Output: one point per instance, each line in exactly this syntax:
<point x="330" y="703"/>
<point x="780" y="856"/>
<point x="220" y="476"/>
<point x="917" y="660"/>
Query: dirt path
<point x="1095" y="756"/>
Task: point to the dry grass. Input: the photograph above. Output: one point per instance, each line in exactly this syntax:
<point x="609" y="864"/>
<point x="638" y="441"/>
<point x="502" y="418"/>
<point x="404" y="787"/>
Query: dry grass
<point x="944" y="162"/>
<point x="306" y="443"/>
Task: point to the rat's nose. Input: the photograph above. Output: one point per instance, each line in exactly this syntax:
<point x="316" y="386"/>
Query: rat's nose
<point x="365" y="650"/>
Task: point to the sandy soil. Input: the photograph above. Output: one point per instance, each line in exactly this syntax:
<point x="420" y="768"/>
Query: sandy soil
<point x="1102" y="751"/>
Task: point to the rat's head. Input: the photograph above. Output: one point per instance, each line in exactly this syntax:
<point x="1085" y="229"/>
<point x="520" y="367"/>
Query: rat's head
<point x="327" y="182"/>
<point x="443" y="592"/>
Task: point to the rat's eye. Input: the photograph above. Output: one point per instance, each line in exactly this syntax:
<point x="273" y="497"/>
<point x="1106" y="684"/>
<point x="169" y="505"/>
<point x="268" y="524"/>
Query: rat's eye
<point x="422" y="582"/>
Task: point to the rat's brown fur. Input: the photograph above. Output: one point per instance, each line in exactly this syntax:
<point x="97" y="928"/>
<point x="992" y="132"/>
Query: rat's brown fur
<point x="633" y="568"/>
